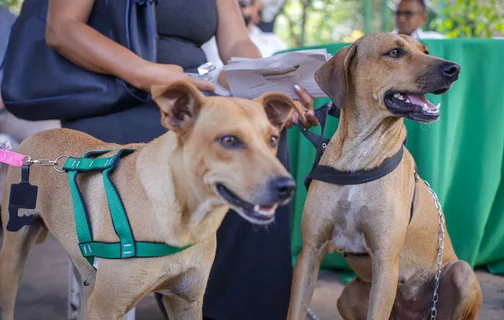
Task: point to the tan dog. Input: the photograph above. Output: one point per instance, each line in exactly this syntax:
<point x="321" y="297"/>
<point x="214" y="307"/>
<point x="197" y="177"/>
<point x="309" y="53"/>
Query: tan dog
<point x="219" y="153"/>
<point x="380" y="79"/>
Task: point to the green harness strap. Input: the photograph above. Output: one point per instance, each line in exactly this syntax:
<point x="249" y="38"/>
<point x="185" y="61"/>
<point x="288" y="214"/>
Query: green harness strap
<point x="127" y="247"/>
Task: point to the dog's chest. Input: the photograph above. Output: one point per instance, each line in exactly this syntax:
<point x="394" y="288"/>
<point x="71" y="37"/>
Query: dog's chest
<point x="347" y="236"/>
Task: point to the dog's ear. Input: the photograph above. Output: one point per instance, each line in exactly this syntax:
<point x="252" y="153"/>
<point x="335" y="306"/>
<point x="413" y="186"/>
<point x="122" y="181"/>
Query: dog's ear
<point x="279" y="108"/>
<point x="180" y="103"/>
<point x="332" y="77"/>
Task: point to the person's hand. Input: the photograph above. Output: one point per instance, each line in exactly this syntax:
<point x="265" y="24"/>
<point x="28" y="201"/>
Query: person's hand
<point x="164" y="74"/>
<point x="306" y="102"/>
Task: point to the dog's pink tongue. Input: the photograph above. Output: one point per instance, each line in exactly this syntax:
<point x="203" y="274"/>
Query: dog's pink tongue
<point x="420" y="100"/>
<point x="266" y="208"/>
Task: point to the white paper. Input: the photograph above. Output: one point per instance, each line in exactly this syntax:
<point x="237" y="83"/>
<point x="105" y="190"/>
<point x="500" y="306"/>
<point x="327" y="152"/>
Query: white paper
<point x="249" y="78"/>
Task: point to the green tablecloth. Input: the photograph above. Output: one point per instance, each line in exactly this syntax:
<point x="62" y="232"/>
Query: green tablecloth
<point x="461" y="155"/>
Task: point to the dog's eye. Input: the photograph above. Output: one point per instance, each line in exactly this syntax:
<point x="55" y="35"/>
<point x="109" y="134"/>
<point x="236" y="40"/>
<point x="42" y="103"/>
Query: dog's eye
<point x="230" y="142"/>
<point x="395" y="53"/>
<point x="274" y="141"/>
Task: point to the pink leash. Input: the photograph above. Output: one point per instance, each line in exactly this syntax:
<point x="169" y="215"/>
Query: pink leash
<point x="10" y="157"/>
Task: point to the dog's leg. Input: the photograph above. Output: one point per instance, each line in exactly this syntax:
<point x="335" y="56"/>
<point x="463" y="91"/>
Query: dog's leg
<point x="184" y="307"/>
<point x="15" y="249"/>
<point x="83" y="292"/>
<point x="184" y="297"/>
<point x="353" y="302"/>
<point x="460" y="296"/>
<point x="304" y="278"/>
<point x="317" y="230"/>
<point x="385" y="244"/>
<point x="119" y="286"/>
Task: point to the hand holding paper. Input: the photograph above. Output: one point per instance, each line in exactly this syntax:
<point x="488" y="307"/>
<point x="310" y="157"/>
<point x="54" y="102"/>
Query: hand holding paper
<point x="249" y="78"/>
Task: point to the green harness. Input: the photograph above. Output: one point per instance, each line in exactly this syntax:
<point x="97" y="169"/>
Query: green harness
<point x="127" y="247"/>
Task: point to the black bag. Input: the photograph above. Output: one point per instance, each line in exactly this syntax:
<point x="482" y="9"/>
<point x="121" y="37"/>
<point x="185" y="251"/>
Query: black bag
<point x="40" y="84"/>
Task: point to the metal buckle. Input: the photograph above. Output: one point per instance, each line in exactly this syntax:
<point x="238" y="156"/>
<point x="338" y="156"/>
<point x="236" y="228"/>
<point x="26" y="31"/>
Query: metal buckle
<point x="46" y="163"/>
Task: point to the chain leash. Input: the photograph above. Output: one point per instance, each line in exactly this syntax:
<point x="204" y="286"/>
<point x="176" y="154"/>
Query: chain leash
<point x="439" y="257"/>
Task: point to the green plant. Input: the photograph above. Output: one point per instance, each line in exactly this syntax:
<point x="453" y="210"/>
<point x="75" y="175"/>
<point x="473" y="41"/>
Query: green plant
<point x="10" y="3"/>
<point x="311" y="22"/>
<point x="471" y="18"/>
<point x="13" y="5"/>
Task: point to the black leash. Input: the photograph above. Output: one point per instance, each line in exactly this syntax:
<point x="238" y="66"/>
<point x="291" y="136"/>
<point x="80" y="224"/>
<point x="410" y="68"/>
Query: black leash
<point x="319" y="141"/>
<point x="333" y="176"/>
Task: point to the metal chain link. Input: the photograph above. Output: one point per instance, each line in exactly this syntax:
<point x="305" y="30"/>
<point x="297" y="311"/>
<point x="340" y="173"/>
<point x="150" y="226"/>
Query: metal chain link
<point x="439" y="257"/>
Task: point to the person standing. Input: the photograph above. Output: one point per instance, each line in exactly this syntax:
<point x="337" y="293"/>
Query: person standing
<point x="411" y="15"/>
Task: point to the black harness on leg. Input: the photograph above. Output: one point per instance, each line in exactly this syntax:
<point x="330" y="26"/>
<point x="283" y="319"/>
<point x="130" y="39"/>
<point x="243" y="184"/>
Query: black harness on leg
<point x="333" y="176"/>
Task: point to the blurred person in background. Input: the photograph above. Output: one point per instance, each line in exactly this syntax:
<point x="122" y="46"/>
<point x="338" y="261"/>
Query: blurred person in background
<point x="269" y="12"/>
<point x="411" y="15"/>
<point x="268" y="43"/>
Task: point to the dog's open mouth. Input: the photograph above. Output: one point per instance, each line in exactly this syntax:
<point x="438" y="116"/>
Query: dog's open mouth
<point x="255" y="213"/>
<point x="413" y="105"/>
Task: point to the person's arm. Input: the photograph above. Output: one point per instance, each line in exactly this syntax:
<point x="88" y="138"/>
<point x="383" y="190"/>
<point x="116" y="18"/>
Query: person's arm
<point x="68" y="33"/>
<point x="232" y="36"/>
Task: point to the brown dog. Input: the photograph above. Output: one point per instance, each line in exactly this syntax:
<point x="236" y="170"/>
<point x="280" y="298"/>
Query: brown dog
<point x="380" y="79"/>
<point x="219" y="153"/>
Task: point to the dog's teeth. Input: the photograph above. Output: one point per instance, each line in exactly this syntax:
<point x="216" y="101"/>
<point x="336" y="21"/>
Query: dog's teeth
<point x="396" y="95"/>
<point x="408" y="101"/>
<point x="400" y="97"/>
<point x="438" y="105"/>
<point x="257" y="208"/>
<point x="425" y="106"/>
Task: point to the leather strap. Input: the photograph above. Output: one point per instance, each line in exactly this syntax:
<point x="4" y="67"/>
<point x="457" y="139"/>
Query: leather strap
<point x="334" y="176"/>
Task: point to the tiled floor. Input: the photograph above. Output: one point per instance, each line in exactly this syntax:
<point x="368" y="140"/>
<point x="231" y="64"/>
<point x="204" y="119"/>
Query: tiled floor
<point x="43" y="291"/>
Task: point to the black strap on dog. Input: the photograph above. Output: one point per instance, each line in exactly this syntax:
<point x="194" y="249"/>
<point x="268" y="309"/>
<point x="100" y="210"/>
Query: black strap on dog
<point x="333" y="176"/>
<point x="320" y="141"/>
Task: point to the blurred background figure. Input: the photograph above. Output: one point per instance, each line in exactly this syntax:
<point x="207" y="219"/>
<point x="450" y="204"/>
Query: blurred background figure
<point x="268" y="43"/>
<point x="269" y="12"/>
<point x="411" y="15"/>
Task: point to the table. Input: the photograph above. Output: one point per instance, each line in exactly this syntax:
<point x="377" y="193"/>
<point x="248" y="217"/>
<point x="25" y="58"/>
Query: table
<point x="461" y="155"/>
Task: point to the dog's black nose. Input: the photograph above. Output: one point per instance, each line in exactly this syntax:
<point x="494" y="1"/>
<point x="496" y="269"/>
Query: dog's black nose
<point x="450" y="69"/>
<point x="283" y="187"/>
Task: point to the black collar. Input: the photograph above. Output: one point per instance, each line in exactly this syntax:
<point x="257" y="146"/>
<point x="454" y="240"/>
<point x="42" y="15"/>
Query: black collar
<point x="335" y="176"/>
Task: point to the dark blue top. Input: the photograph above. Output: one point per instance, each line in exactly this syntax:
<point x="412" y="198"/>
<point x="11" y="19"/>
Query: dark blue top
<point x="6" y="21"/>
<point x="183" y="26"/>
